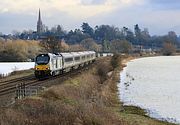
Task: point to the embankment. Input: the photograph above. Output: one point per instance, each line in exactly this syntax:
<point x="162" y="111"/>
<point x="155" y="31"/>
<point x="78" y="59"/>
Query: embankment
<point x="89" y="98"/>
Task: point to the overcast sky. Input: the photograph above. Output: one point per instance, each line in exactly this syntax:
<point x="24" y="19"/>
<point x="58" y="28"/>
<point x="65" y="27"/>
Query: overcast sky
<point x="159" y="16"/>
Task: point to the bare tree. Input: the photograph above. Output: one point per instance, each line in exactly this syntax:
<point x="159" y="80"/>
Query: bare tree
<point x="90" y="44"/>
<point x="51" y="44"/>
<point x="168" y="48"/>
<point x="120" y="46"/>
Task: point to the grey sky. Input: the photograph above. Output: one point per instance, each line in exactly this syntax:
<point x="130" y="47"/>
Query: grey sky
<point x="159" y="16"/>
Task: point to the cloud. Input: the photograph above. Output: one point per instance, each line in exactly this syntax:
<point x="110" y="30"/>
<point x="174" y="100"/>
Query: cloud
<point x="75" y="8"/>
<point x="157" y="15"/>
<point x="93" y="2"/>
<point x="70" y="14"/>
<point x="157" y="21"/>
<point x="3" y="10"/>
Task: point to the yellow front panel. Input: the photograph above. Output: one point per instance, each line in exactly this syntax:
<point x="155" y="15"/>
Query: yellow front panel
<point x="42" y="67"/>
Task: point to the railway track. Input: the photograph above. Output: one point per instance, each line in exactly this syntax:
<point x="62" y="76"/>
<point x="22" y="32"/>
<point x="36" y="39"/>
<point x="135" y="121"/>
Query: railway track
<point x="9" y="86"/>
<point x="9" y="83"/>
<point x="16" y="79"/>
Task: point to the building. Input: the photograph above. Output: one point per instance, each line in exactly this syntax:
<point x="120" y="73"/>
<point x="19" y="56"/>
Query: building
<point x="40" y="26"/>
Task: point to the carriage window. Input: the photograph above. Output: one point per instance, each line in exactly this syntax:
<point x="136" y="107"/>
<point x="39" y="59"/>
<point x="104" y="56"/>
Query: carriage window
<point x="88" y="56"/>
<point x="68" y="59"/>
<point x="83" y="57"/>
<point x="56" y="63"/>
<point x="77" y="58"/>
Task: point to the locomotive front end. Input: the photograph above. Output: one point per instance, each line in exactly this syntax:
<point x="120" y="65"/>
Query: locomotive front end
<point x="42" y="66"/>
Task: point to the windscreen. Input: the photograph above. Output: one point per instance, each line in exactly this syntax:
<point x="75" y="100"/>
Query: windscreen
<point x="42" y="59"/>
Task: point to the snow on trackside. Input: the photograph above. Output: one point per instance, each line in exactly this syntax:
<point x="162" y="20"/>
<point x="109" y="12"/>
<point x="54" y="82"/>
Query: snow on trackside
<point x="7" y="68"/>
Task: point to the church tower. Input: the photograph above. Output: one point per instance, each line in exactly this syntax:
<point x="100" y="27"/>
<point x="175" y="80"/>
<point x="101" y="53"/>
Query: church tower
<point x="39" y="23"/>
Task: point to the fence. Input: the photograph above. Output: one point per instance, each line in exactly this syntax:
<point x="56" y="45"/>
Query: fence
<point x="23" y="91"/>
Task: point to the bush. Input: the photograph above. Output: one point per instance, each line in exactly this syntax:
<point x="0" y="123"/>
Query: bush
<point x="18" y="50"/>
<point x="115" y="61"/>
<point x="102" y="71"/>
<point x="168" y="49"/>
<point x="121" y="46"/>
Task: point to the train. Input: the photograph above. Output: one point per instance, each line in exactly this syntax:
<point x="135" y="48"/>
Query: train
<point x="52" y="64"/>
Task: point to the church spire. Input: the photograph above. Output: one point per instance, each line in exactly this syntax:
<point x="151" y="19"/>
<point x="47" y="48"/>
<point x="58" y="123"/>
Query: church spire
<point x="39" y="23"/>
<point x="39" y="19"/>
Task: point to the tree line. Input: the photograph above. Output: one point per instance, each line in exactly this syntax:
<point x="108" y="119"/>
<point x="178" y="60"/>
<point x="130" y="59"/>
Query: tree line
<point x="103" y="34"/>
<point x="103" y="38"/>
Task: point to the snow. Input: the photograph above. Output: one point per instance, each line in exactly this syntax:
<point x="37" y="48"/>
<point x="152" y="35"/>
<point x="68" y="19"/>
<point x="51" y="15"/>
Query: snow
<point x="7" y="68"/>
<point x="153" y="84"/>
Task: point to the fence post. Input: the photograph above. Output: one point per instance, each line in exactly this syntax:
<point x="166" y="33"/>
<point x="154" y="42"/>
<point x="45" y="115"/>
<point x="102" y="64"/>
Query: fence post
<point x="24" y="90"/>
<point x="21" y="91"/>
<point x="17" y="93"/>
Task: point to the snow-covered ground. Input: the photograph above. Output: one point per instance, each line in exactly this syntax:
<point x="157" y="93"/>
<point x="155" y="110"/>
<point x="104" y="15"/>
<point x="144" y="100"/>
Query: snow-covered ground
<point x="153" y="84"/>
<point x="6" y="68"/>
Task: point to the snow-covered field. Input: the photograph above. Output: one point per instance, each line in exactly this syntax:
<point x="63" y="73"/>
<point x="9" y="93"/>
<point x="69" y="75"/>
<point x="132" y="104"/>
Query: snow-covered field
<point x="6" y="68"/>
<point x="153" y="84"/>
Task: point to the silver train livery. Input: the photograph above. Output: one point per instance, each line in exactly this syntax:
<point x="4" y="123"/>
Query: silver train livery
<point x="54" y="64"/>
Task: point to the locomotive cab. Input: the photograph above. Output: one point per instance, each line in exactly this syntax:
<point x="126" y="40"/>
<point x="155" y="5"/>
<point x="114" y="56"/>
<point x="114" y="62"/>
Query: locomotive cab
<point x="42" y="66"/>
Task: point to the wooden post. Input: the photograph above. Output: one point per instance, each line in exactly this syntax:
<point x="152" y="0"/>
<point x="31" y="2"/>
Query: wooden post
<point x="17" y="93"/>
<point x="24" y="90"/>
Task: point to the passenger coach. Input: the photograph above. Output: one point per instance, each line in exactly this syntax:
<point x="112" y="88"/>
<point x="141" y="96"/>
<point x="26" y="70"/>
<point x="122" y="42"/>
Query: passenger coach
<point x="54" y="64"/>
